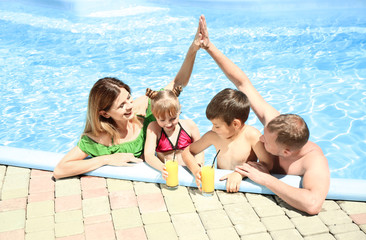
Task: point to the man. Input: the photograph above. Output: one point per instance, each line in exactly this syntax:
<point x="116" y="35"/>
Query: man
<point x="286" y="137"/>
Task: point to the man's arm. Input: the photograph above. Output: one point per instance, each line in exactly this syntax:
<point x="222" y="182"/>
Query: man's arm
<point x="264" y="111"/>
<point x="309" y="198"/>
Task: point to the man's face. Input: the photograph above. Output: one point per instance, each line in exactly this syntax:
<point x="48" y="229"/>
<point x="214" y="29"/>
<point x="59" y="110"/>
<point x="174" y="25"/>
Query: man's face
<point x="269" y="140"/>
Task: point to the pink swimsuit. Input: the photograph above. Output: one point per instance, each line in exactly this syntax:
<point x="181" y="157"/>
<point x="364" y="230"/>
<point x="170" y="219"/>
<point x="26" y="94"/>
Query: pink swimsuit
<point x="165" y="145"/>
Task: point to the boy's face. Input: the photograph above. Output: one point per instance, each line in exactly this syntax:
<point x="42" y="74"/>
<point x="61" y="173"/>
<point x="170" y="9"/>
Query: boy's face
<point x="222" y="129"/>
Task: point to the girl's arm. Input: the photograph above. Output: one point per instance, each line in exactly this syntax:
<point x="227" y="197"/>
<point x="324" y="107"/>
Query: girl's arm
<point x="150" y="146"/>
<point x="73" y="162"/>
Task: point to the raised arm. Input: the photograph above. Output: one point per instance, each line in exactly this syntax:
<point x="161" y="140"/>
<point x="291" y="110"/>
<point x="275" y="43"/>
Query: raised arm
<point x="264" y="111"/>
<point x="184" y="73"/>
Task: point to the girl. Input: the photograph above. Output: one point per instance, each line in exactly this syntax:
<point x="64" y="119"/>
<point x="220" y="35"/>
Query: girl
<point x="168" y="136"/>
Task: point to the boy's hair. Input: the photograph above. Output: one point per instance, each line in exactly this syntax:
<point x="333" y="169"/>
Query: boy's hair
<point x="291" y="130"/>
<point x="229" y="104"/>
<point x="164" y="102"/>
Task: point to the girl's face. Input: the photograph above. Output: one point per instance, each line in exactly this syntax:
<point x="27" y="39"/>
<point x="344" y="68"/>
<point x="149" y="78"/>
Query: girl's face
<point x="121" y="109"/>
<point x="168" y="122"/>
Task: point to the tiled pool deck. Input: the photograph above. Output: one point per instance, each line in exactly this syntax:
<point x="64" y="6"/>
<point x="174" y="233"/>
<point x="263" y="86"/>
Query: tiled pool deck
<point x="32" y="206"/>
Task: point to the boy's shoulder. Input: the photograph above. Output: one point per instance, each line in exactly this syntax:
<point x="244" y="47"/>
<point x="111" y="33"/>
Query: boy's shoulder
<point x="251" y="133"/>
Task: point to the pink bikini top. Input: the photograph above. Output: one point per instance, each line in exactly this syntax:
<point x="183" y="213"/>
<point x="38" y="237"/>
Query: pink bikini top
<point x="165" y="145"/>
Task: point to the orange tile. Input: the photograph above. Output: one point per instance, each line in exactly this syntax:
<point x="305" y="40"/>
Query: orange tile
<point x="40" y="173"/>
<point x="91" y="182"/>
<point x="152" y="202"/>
<point x="97" y="219"/>
<point x="67" y="203"/>
<point x="131" y="234"/>
<point x="41" y="184"/>
<point x="73" y="237"/>
<point x="359" y="219"/>
<point x="42" y="196"/>
<point x="90" y="193"/>
<point x="123" y="199"/>
<point x="99" y="231"/>
<point x="13" y="204"/>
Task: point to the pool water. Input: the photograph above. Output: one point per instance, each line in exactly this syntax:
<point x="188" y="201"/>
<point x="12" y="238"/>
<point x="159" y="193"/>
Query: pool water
<point x="311" y="62"/>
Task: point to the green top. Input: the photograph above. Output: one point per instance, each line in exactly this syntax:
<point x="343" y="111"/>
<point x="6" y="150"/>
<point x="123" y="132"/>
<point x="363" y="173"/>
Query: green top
<point x="136" y="146"/>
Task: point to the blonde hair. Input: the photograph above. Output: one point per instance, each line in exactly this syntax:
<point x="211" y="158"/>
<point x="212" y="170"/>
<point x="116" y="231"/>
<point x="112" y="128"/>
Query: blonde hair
<point x="101" y="97"/>
<point x="165" y="101"/>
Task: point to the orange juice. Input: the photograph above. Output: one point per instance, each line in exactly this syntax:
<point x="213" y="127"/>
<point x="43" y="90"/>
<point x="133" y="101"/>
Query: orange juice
<point x="208" y="180"/>
<point x="172" y="169"/>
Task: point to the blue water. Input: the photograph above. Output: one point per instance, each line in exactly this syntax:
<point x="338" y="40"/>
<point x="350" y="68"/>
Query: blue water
<point x="311" y="62"/>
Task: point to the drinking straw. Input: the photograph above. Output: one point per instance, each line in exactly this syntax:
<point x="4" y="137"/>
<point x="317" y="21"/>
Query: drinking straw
<point x="215" y="158"/>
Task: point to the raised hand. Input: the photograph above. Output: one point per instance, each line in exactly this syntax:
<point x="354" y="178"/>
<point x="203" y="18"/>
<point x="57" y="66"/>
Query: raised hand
<point x="204" y="39"/>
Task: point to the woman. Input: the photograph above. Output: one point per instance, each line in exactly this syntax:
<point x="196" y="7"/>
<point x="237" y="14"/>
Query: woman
<point x="116" y="125"/>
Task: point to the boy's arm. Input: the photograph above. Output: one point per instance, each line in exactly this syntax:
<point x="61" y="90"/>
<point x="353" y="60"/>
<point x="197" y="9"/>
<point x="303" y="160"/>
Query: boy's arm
<point x="264" y="111"/>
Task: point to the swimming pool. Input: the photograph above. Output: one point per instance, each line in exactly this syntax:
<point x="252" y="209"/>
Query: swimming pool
<point x="310" y="62"/>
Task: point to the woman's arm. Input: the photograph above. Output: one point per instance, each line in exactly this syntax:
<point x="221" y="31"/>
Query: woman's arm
<point x="73" y="162"/>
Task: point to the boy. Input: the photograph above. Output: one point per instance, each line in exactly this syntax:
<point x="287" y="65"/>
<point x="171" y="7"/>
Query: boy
<point x="237" y="142"/>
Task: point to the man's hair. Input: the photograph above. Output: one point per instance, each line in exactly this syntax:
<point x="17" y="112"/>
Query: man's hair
<point x="227" y="105"/>
<point x="291" y="130"/>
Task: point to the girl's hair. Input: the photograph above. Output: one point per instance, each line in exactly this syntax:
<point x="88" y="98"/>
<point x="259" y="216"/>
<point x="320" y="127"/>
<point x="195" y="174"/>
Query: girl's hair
<point x="227" y="105"/>
<point x="291" y="130"/>
<point x="101" y="97"/>
<point x="164" y="102"/>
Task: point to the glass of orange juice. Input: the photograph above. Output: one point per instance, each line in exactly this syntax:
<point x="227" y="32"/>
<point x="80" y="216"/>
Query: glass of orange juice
<point x="172" y="169"/>
<point x="208" y="180"/>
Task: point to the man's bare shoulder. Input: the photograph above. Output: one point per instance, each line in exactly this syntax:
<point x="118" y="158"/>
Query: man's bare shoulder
<point x="314" y="157"/>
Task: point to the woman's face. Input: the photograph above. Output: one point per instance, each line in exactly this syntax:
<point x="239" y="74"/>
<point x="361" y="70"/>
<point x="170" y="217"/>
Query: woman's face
<point x="122" y="108"/>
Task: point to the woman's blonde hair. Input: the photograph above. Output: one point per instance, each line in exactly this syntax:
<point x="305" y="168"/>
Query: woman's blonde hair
<point x="101" y="98"/>
<point x="165" y="101"/>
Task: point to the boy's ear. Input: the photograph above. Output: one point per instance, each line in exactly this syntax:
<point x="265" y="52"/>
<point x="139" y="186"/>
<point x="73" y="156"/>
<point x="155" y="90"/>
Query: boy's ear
<point x="104" y="114"/>
<point x="237" y="123"/>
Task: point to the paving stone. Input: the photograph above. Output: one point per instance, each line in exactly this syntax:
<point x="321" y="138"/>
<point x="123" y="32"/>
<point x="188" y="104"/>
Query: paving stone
<point x="343" y="228"/>
<point x="13" y="204"/>
<point x="363" y="227"/>
<point x="290" y="211"/>
<point x="40" y="173"/>
<point x="179" y="203"/>
<point x="202" y="236"/>
<point x="223" y="233"/>
<point x="40" y="197"/>
<point x="351" y="207"/>
<point x="69" y="216"/>
<point x="240" y="213"/>
<point x="277" y="223"/>
<point x="98" y="219"/>
<point x="269" y="211"/>
<point x="118" y="185"/>
<point x="15" y="186"/>
<point x="231" y="198"/>
<point x="131" y="234"/>
<point x="203" y="203"/>
<point x="187" y="224"/>
<point x="99" y="231"/>
<point x="99" y="192"/>
<point x="2" y="176"/>
<point x="151" y="202"/>
<point x="258" y="200"/>
<point x="17" y="171"/>
<point x="155" y="217"/>
<point x="64" y="229"/>
<point x="359" y="219"/>
<point x="351" y="236"/>
<point x="44" y="235"/>
<point x="215" y="219"/>
<point x="92" y="183"/>
<point x="12" y="220"/>
<point x="286" y="234"/>
<point x="13" y="235"/>
<point x="309" y="225"/>
<point x="41" y="184"/>
<point x="95" y="206"/>
<point x="334" y="217"/>
<point x="173" y="193"/>
<point x="126" y="218"/>
<point x="39" y="224"/>
<point x="161" y="231"/>
<point x="40" y="209"/>
<point x="144" y="188"/>
<point x="250" y="227"/>
<point x="330" y="205"/>
<point x="257" y="236"/>
<point x="324" y="236"/>
<point x="67" y="187"/>
<point x="68" y="203"/>
<point x="123" y="199"/>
